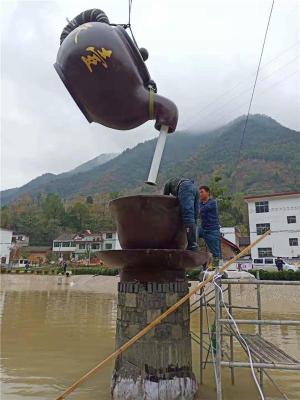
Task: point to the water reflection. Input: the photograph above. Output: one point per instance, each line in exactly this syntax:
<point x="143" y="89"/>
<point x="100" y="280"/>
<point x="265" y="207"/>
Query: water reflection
<point x="51" y="337"/>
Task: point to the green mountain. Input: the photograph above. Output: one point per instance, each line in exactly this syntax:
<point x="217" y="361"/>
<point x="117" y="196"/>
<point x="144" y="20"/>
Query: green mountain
<point x="87" y="166"/>
<point x="37" y="185"/>
<point x="269" y="162"/>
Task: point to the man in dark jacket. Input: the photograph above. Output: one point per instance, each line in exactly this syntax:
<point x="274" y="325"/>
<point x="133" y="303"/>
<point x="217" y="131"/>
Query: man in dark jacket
<point x="210" y="224"/>
<point x="279" y="263"/>
<point x="188" y="197"/>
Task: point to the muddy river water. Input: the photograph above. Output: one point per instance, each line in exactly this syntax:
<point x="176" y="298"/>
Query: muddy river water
<point x="51" y="334"/>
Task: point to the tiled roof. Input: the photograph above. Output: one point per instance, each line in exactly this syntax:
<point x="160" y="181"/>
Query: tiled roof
<point x="66" y="236"/>
<point x="259" y="196"/>
<point x="230" y="244"/>
<point x="37" y="249"/>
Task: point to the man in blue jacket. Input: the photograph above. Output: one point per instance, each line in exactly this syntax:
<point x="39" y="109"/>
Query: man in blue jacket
<point x="210" y="224"/>
<point x="188" y="198"/>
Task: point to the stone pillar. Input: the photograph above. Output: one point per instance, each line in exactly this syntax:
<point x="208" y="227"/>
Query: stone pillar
<point x="159" y="365"/>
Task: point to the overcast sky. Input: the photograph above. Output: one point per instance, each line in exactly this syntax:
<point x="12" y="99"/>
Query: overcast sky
<point x="203" y="56"/>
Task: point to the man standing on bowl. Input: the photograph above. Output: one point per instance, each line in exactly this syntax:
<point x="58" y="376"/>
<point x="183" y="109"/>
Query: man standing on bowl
<point x="210" y="224"/>
<point x="188" y="198"/>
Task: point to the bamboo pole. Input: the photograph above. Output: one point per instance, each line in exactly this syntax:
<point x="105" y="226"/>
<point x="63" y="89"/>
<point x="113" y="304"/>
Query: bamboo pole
<point x="157" y="321"/>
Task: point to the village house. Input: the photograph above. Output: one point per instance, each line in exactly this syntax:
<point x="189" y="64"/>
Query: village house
<point x="279" y="212"/>
<point x="73" y="246"/>
<point x="228" y="249"/>
<point x="19" y="239"/>
<point x="35" y="255"/>
<point x="233" y="235"/>
<point x="5" y="245"/>
<point x="244" y="241"/>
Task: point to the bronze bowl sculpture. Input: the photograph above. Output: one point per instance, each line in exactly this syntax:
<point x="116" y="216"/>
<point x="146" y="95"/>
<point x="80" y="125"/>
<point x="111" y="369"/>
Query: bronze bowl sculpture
<point x="153" y="265"/>
<point x="153" y="240"/>
<point x="149" y="222"/>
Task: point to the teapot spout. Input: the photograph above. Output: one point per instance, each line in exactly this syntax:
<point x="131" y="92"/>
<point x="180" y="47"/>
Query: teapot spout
<point x="165" y="113"/>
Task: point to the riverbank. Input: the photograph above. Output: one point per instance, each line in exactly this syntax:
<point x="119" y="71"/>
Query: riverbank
<point x="283" y="298"/>
<point x="86" y="283"/>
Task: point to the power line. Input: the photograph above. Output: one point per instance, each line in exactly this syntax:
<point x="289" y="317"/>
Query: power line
<point x="260" y="92"/>
<point x="213" y="112"/>
<point x="255" y="81"/>
<point x="213" y="102"/>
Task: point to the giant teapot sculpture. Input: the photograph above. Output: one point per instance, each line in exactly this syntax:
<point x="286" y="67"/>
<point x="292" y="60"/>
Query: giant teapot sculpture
<point x="105" y="73"/>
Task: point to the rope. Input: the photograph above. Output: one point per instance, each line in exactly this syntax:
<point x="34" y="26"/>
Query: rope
<point x="255" y="81"/>
<point x="129" y="22"/>
<point x="157" y="321"/>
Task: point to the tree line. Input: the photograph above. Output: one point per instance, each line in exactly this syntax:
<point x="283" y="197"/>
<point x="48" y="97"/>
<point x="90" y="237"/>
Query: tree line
<point x="48" y="215"/>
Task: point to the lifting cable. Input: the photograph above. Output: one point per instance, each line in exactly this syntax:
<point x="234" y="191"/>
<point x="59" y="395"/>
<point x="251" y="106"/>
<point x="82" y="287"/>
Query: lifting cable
<point x="129" y="22"/>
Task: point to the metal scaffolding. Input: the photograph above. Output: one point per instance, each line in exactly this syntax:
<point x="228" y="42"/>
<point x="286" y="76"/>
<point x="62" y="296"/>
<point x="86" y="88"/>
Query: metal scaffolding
<point x="217" y="342"/>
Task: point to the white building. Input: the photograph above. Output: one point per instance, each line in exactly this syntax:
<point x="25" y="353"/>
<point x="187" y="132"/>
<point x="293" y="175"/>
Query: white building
<point x="231" y="233"/>
<point x="279" y="212"/>
<point x="19" y="239"/>
<point x="110" y="241"/>
<point x="5" y="245"/>
<point x="73" y="246"/>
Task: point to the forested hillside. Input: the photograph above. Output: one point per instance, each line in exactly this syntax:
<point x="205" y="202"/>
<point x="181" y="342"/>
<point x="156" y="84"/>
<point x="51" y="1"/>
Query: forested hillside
<point x="45" y="217"/>
<point x="270" y="161"/>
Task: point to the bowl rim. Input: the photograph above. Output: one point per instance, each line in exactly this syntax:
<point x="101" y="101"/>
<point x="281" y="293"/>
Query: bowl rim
<point x="131" y="197"/>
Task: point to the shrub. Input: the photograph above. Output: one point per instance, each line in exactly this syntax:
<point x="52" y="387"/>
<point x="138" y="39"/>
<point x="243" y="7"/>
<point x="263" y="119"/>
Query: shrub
<point x="193" y="275"/>
<point x="94" y="271"/>
<point x="277" y="276"/>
